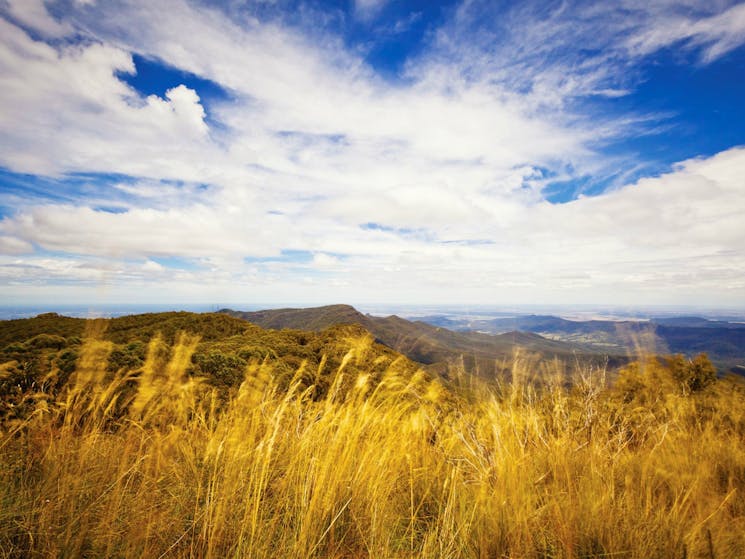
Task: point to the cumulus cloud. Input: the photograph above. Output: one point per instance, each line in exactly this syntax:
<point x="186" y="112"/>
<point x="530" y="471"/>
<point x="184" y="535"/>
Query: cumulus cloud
<point x="657" y="238"/>
<point x="300" y="110"/>
<point x="388" y="189"/>
<point x="194" y="231"/>
<point x="66" y="111"/>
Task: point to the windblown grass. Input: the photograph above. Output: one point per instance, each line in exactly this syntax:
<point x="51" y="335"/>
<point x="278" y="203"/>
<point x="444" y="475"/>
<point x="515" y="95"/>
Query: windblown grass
<point x="153" y="463"/>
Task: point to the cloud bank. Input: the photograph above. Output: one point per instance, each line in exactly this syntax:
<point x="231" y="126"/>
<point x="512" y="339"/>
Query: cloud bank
<point x="314" y="178"/>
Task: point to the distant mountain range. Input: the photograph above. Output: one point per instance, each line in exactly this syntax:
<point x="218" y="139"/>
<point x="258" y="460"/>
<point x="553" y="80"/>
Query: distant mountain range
<point x="724" y="342"/>
<point x="434" y="345"/>
<point x="437" y="342"/>
<point x="484" y="345"/>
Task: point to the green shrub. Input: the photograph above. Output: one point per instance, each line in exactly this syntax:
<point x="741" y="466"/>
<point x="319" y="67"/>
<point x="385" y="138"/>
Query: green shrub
<point x="223" y="369"/>
<point x="128" y="358"/>
<point x="693" y="375"/>
<point x="15" y="348"/>
<point x="46" y="341"/>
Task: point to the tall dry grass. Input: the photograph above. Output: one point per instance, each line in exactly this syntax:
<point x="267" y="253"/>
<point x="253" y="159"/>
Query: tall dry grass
<point x="154" y="464"/>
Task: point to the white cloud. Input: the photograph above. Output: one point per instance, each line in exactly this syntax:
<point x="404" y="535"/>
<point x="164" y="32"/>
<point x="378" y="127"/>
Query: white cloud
<point x="65" y="111"/>
<point x="323" y="260"/>
<point x="557" y="53"/>
<point x="152" y="267"/>
<point x="716" y="35"/>
<point x="34" y="14"/>
<point x="14" y="245"/>
<point x="195" y="231"/>
<point x="313" y="145"/>
<point x="659" y="240"/>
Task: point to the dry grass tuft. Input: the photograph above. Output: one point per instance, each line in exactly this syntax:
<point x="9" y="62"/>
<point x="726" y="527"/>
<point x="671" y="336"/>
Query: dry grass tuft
<point x="152" y="463"/>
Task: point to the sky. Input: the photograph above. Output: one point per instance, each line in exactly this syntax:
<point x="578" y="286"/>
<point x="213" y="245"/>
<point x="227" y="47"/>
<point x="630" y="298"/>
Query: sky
<point x="372" y="151"/>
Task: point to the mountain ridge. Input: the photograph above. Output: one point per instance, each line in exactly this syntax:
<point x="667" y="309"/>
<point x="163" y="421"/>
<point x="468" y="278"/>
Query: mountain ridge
<point x="431" y="345"/>
<point x="723" y="341"/>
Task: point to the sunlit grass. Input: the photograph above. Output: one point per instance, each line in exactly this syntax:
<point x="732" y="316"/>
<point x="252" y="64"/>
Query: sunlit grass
<point x="154" y="463"/>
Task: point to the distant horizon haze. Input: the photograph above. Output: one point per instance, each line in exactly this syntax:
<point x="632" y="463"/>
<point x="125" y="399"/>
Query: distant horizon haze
<point x="408" y="311"/>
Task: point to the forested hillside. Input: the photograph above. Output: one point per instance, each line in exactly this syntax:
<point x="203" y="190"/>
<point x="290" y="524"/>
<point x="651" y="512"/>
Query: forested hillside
<point x="43" y="351"/>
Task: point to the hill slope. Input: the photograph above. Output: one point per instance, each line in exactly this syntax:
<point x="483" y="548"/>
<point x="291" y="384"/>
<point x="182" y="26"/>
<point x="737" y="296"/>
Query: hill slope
<point x="168" y="458"/>
<point x="425" y="343"/>
<point x="42" y="352"/>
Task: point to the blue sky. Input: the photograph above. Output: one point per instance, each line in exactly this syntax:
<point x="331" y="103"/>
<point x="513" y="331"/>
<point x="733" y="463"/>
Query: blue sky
<point x="372" y="151"/>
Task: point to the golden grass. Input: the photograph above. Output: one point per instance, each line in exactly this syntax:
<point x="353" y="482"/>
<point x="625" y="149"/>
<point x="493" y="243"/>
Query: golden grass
<point x="153" y="464"/>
